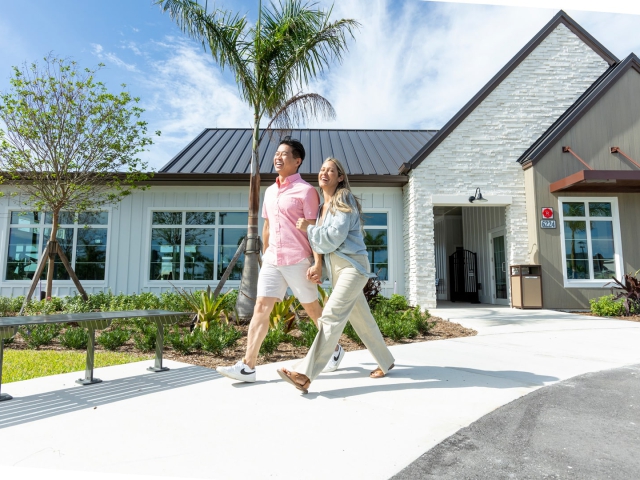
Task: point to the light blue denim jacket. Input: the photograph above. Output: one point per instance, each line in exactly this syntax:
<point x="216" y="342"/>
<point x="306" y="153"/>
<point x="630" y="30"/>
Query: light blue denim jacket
<point x="340" y="233"/>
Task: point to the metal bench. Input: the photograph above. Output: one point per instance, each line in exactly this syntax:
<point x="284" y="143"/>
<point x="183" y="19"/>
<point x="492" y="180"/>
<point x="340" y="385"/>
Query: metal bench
<point x="92" y="321"/>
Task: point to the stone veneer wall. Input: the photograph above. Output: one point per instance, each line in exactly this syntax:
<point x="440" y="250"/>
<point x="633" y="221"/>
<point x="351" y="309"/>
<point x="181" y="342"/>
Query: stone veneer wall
<point x="483" y="149"/>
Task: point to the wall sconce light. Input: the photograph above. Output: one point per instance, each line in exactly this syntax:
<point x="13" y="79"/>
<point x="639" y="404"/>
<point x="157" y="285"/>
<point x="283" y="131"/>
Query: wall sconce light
<point x="477" y="197"/>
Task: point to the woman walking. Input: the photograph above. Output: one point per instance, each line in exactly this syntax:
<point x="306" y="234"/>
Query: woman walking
<point x="338" y="236"/>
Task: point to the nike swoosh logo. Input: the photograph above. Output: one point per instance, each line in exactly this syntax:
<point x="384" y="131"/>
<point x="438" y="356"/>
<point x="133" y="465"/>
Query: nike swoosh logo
<point x="336" y="357"/>
<point x="246" y="373"/>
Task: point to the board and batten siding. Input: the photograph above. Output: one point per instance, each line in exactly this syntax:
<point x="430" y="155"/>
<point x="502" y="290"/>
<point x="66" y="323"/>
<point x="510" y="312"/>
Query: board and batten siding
<point x="613" y="121"/>
<point x="477" y="222"/>
<point x="448" y="236"/>
<point x="129" y="236"/>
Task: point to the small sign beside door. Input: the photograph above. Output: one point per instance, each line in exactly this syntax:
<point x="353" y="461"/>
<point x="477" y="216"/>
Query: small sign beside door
<point x="547" y="218"/>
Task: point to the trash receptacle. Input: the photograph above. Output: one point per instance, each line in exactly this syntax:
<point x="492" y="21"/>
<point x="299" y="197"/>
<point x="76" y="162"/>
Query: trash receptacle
<point x="526" y="286"/>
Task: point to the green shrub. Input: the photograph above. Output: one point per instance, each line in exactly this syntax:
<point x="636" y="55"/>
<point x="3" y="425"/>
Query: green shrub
<point x="44" y="307"/>
<point x="606" y="306"/>
<point x="114" y="338"/>
<point x="229" y="304"/>
<point x="9" y="305"/>
<point x="75" y="338"/>
<point x="274" y="338"/>
<point x="38" y="335"/>
<point x="173" y="302"/>
<point x="219" y="337"/>
<point x="183" y="341"/>
<point x="309" y="331"/>
<point x="421" y="320"/>
<point x="350" y="332"/>
<point x="396" y="325"/>
<point x="398" y="302"/>
<point x="144" y="337"/>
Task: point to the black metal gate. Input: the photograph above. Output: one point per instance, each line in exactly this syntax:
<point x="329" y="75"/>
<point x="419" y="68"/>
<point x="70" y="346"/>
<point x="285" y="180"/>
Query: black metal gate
<point x="463" y="278"/>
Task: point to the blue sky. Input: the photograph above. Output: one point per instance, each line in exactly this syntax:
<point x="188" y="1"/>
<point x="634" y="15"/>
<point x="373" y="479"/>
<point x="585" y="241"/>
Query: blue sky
<point x="413" y="64"/>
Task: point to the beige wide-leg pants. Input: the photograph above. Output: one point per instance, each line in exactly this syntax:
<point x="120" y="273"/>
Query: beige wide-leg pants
<point x="347" y="302"/>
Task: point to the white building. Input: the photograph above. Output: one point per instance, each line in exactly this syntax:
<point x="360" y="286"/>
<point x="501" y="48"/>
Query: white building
<point x="415" y="186"/>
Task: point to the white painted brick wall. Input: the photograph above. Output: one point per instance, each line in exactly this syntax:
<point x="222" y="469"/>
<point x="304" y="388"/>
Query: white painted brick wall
<point x="482" y="151"/>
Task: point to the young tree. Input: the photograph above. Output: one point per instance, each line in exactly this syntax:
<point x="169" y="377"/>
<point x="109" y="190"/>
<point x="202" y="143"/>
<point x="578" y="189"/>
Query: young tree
<point x="69" y="145"/>
<point x="290" y="44"/>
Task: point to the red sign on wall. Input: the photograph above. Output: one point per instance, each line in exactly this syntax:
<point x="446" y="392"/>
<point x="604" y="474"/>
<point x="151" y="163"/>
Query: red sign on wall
<point x="547" y="213"/>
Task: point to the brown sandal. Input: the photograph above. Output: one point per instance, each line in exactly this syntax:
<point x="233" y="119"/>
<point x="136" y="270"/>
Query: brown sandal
<point x="293" y="377"/>
<point x="378" y="373"/>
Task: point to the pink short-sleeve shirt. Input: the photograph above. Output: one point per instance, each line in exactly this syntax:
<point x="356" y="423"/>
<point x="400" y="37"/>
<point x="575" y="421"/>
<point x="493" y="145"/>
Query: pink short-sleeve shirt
<point x="284" y="203"/>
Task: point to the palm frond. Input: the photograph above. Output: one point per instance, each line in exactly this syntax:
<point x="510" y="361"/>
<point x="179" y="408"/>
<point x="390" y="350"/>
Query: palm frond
<point x="224" y="34"/>
<point x="299" y="110"/>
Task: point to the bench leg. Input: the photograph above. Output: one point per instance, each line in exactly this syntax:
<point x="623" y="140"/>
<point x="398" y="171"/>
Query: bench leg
<point x="88" y="373"/>
<point x="3" y="396"/>
<point x="157" y="367"/>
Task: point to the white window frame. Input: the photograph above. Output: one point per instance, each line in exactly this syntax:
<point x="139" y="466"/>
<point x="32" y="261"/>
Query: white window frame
<point x="42" y="225"/>
<point x="617" y="241"/>
<point x="390" y="262"/>
<point x="148" y="282"/>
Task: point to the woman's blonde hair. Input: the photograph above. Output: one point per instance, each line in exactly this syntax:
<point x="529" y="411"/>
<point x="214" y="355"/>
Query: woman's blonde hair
<point x="340" y="199"/>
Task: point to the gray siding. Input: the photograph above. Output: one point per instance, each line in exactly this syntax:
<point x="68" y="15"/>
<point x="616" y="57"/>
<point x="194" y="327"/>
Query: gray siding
<point x="613" y="121"/>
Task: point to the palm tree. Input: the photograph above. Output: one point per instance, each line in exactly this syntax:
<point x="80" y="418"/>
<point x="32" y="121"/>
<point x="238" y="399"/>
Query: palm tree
<point x="290" y="44"/>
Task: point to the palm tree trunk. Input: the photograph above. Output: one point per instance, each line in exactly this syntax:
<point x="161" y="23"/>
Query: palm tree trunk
<point x="249" y="283"/>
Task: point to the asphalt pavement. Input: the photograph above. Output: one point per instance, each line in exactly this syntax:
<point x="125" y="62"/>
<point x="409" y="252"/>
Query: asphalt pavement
<point x="587" y="427"/>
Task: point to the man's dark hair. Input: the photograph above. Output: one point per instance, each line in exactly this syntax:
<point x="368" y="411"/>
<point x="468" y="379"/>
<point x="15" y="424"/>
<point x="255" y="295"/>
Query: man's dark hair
<point x="297" y="150"/>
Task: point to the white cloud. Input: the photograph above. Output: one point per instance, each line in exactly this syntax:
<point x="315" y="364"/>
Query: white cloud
<point x="186" y="93"/>
<point x="415" y="66"/>
<point x="98" y="51"/>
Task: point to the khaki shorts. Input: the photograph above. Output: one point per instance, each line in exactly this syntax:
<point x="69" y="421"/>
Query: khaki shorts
<point x="274" y="280"/>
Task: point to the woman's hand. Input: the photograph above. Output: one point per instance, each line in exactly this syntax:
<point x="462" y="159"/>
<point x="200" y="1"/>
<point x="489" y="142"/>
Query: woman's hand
<point x="302" y="224"/>
<point x="314" y="273"/>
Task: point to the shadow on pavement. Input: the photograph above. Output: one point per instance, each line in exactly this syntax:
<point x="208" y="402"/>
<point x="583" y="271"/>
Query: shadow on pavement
<point x="428" y="377"/>
<point x="44" y="405"/>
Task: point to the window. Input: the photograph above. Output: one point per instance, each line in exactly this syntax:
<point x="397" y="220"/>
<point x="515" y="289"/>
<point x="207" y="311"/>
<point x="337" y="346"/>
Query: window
<point x="590" y="233"/>
<point x="83" y="239"/>
<point x="196" y="245"/>
<point x="376" y="240"/>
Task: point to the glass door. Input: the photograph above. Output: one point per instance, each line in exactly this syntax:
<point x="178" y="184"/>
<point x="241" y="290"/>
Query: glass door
<point x="499" y="274"/>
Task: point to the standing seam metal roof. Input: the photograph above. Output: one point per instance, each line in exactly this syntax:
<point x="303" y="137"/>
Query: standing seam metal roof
<point x="363" y="152"/>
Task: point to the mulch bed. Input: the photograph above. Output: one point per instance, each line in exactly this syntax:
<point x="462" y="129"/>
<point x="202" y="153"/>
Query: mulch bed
<point x="443" y="329"/>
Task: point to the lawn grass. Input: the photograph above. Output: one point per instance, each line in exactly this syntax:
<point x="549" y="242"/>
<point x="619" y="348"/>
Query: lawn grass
<point x="26" y="364"/>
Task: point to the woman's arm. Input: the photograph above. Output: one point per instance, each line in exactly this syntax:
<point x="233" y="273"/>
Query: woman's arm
<point x="327" y="237"/>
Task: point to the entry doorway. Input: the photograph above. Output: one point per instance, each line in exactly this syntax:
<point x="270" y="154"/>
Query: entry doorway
<point x="499" y="267"/>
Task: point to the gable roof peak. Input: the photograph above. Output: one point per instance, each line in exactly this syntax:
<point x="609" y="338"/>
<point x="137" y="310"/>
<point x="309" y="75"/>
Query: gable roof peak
<point x="560" y="17"/>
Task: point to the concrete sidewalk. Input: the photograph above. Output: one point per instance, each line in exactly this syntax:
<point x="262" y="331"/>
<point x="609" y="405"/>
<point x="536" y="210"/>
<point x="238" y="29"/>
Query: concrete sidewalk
<point x="191" y="423"/>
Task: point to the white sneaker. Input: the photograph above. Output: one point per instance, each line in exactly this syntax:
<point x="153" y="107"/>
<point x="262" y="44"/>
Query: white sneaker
<point x="240" y="371"/>
<point x="334" y="361"/>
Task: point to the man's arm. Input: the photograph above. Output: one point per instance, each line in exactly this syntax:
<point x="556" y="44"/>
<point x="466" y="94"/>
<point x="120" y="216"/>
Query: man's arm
<point x="265" y="235"/>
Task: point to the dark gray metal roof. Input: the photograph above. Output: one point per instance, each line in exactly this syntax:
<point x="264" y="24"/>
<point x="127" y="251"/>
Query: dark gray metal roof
<point x="578" y="109"/>
<point x="560" y="17"/>
<point x="226" y="152"/>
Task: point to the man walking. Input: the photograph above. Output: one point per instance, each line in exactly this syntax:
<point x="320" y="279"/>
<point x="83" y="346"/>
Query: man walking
<point x="286" y="256"/>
